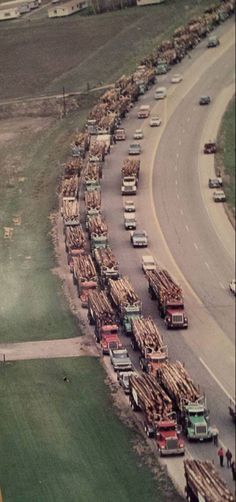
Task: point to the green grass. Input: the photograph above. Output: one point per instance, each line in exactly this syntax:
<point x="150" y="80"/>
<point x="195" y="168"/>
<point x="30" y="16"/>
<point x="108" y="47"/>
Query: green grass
<point x="62" y="441"/>
<point x="77" y="50"/>
<point x="226" y="155"/>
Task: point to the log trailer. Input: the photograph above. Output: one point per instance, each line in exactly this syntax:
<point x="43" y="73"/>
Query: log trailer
<point x="70" y="212"/>
<point x="92" y="176"/>
<point x="74" y="243"/>
<point x="70" y="188"/>
<point x="126" y="302"/>
<point x="92" y="204"/>
<point x="169" y="297"/>
<point x="188" y="403"/>
<point x="97" y="151"/>
<point x="147" y="396"/>
<point x="84" y="276"/>
<point x="146" y="338"/>
<point x="73" y="167"/>
<point x="203" y="483"/>
<point x="130" y="175"/>
<point x="98" y="233"/>
<point x="103" y="317"/>
<point x="80" y="145"/>
<point x="107" y="265"/>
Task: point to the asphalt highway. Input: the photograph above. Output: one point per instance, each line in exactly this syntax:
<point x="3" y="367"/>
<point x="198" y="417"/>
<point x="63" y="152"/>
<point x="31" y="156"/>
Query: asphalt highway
<point x="188" y="234"/>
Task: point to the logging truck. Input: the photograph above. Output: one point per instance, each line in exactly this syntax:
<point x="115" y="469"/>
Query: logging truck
<point x="97" y="149"/>
<point x="188" y="402"/>
<point x="70" y="212"/>
<point x="203" y="483"/>
<point x="80" y="145"/>
<point x="74" y="243"/>
<point x="70" y="188"/>
<point x="147" y="396"/>
<point x="84" y="276"/>
<point x="107" y="265"/>
<point x="92" y="177"/>
<point x="146" y="338"/>
<point x="126" y="302"/>
<point x="102" y="316"/>
<point x="92" y="205"/>
<point x="73" y="167"/>
<point x="130" y="176"/>
<point x="169" y="298"/>
<point x="98" y="233"/>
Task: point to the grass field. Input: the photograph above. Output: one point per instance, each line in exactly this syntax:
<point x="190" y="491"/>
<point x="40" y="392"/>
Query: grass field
<point x="47" y="54"/>
<point x="62" y="441"/>
<point x="226" y="155"/>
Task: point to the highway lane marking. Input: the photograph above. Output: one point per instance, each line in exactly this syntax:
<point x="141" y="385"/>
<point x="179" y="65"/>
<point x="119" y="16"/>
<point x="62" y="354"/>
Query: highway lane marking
<point x="181" y="212"/>
<point x="186" y="226"/>
<point x="176" y="182"/>
<point x="176" y="168"/>
<point x="188" y="119"/>
<point x="195" y="245"/>
<point x="177" y="155"/>
<point x="222" y="285"/>
<point x="177" y="195"/>
<point x="180" y="142"/>
<point x="215" y="378"/>
<point x="207" y="265"/>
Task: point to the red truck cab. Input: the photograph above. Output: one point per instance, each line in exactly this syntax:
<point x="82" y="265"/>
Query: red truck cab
<point x="169" y="441"/>
<point x="109" y="338"/>
<point x="174" y="314"/>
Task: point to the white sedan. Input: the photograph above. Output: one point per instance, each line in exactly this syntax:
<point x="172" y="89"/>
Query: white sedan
<point x="138" y="134"/>
<point x="176" y="79"/>
<point x="155" y="122"/>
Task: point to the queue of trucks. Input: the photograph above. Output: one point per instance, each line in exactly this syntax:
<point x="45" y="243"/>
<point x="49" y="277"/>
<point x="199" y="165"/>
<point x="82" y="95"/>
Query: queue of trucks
<point x="171" y="404"/>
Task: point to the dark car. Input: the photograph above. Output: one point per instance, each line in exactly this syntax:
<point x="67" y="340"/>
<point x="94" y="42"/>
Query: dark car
<point x="204" y="100"/>
<point x="215" y="182"/>
<point x="210" y="147"/>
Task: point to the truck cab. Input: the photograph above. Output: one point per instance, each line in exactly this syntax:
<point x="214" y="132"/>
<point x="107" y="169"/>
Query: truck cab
<point x="129" y="185"/>
<point x="144" y="112"/>
<point x="196" y="422"/>
<point x="110" y="340"/>
<point x="130" y="312"/>
<point x="175" y="317"/>
<point x="169" y="441"/>
<point x="151" y="360"/>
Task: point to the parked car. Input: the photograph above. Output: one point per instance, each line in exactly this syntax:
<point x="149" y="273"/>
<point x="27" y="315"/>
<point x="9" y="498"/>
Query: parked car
<point x="204" y="100"/>
<point x="215" y="183"/>
<point x="160" y="93"/>
<point x="134" y="149"/>
<point x="232" y="286"/>
<point x="138" y="134"/>
<point x="123" y="379"/>
<point x="120" y="360"/>
<point x="139" y="238"/>
<point x="210" y="147"/>
<point x="155" y="122"/>
<point x="219" y="196"/>
<point x="176" y="79"/>
<point x="148" y="263"/>
<point x="129" y="206"/>
<point x="213" y="41"/>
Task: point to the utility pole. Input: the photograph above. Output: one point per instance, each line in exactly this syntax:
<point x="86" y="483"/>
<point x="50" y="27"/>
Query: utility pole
<point x="64" y="101"/>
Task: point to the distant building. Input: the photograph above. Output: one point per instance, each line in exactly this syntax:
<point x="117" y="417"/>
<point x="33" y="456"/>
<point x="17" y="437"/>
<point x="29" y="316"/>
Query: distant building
<point x="14" y="9"/>
<point x="67" y="8"/>
<point x="148" y="2"/>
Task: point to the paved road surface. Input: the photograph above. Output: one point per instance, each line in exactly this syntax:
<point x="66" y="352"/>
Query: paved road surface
<point x="187" y="244"/>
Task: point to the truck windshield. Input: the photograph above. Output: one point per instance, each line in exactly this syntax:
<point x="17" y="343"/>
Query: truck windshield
<point x="196" y="414"/>
<point x="167" y="429"/>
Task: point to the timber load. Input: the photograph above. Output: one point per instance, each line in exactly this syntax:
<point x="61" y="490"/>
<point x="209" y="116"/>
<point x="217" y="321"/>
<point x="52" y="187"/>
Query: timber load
<point x="147" y="335"/>
<point x="73" y="167"/>
<point x="151" y="397"/>
<point x="122" y="293"/>
<point x="74" y="238"/>
<point x="97" y="226"/>
<point x="176" y="381"/>
<point x="92" y="172"/>
<point x="70" y="212"/>
<point x="97" y="150"/>
<point x="82" y="140"/>
<point x="164" y="286"/>
<point x="130" y="167"/>
<point x="70" y="188"/>
<point x="106" y="259"/>
<point x="84" y="268"/>
<point x="101" y="307"/>
<point x="93" y="200"/>
<point x="204" y="483"/>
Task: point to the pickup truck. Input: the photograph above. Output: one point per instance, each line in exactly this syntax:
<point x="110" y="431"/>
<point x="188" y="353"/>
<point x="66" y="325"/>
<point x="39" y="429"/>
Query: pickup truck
<point x="123" y="379"/>
<point x="219" y="196"/>
<point x="139" y="238"/>
<point x="148" y="263"/>
<point x="129" y="221"/>
<point x="120" y="360"/>
<point x="134" y="149"/>
<point x="215" y="182"/>
<point x="129" y="206"/>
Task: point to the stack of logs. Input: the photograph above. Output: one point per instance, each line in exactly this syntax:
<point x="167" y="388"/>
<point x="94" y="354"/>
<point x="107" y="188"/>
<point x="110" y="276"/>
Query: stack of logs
<point x="93" y="200"/>
<point x="102" y="308"/>
<point x="176" y="381"/>
<point x="165" y="286"/>
<point x="153" y="399"/>
<point x="97" y="226"/>
<point x="81" y="139"/>
<point x="84" y="267"/>
<point x="122" y="292"/>
<point x="146" y="333"/>
<point x="91" y="172"/>
<point x="130" y="167"/>
<point x="106" y="259"/>
<point x="70" y="187"/>
<point x="73" y="167"/>
<point x="203" y="480"/>
<point x="70" y="211"/>
<point x="97" y="149"/>
<point x="75" y="238"/>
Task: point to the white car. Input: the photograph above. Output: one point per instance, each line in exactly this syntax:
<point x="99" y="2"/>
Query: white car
<point x="176" y="79"/>
<point x="155" y="122"/>
<point x="129" y="206"/>
<point x="148" y="263"/>
<point x="138" y="134"/>
<point x="232" y="286"/>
